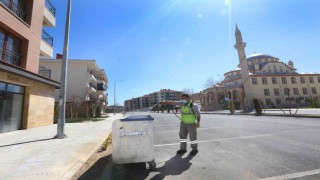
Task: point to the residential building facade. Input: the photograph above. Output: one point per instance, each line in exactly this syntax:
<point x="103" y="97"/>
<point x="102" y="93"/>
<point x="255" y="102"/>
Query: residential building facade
<point x="22" y="41"/>
<point x="152" y="99"/>
<point x="265" y="77"/>
<point x="86" y="82"/>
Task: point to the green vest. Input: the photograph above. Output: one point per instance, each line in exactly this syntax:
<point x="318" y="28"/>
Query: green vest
<point x="187" y="115"/>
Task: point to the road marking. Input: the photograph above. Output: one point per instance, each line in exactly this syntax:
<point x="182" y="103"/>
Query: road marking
<point x="167" y="125"/>
<point x="176" y="130"/>
<point x="294" y="175"/>
<point x="218" y="140"/>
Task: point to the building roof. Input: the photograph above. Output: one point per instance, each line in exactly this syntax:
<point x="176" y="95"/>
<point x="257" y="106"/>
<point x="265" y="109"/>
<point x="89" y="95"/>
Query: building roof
<point x="258" y="56"/>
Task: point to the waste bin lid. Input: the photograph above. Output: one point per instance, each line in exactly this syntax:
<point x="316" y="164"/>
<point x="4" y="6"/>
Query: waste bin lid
<point x="138" y="118"/>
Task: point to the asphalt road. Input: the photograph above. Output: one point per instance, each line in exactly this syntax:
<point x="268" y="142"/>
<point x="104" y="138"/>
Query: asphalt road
<point x="231" y="148"/>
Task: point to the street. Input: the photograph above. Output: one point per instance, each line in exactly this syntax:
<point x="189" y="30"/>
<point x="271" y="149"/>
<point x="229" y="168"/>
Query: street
<point x="232" y="147"/>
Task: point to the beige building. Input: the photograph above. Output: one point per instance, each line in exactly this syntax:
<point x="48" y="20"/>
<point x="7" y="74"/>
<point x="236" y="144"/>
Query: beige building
<point x="86" y="82"/>
<point x="265" y="77"/>
<point x="152" y="99"/>
<point x="26" y="97"/>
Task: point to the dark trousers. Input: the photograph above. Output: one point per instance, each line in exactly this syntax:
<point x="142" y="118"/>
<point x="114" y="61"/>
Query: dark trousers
<point x="186" y="129"/>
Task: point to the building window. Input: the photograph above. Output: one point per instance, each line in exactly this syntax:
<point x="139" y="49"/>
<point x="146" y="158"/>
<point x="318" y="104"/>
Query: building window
<point x="311" y="80"/>
<point x="268" y="102"/>
<point x="313" y="90"/>
<point x="254" y="81"/>
<point x="305" y="91"/>
<point x="278" y="101"/>
<point x="276" y="92"/>
<point x="284" y="80"/>
<point x="264" y="81"/>
<point x="319" y="79"/>
<point x="302" y="80"/>
<point x="293" y="80"/>
<point x="281" y="70"/>
<point x="286" y="91"/>
<point x="274" y="80"/>
<point x="295" y="91"/>
<point x="9" y="48"/>
<point x="266" y="92"/>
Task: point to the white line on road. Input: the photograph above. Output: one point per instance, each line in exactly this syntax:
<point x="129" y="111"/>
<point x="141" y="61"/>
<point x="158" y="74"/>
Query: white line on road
<point x="218" y="127"/>
<point x="218" y="140"/>
<point x="294" y="175"/>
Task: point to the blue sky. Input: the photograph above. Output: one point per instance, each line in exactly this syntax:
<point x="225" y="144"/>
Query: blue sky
<point x="177" y="44"/>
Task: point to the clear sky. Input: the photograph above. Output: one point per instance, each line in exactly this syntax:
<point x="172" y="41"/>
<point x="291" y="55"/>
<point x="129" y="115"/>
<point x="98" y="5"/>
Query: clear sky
<point x="177" y="44"/>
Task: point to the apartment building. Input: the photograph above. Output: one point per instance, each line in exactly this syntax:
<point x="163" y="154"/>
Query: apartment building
<point x="86" y="82"/>
<point x="26" y="98"/>
<point x="152" y="99"/>
<point x="265" y="77"/>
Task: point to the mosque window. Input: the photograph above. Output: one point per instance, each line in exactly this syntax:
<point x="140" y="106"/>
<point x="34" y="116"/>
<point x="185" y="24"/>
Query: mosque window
<point x="311" y="80"/>
<point x="254" y="81"/>
<point x="264" y="81"/>
<point x="284" y="80"/>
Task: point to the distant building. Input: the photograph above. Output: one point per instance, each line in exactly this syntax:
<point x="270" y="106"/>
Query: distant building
<point x="152" y="99"/>
<point x="263" y="77"/>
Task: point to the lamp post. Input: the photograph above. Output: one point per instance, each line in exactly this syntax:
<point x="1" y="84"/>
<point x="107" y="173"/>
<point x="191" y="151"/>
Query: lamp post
<point x="114" y="96"/>
<point x="64" y="68"/>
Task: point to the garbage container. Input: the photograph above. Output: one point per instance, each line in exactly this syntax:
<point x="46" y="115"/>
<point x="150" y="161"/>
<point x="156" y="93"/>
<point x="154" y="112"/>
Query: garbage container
<point x="132" y="140"/>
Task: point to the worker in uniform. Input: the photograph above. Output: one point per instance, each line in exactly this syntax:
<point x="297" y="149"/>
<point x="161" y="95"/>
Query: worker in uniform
<point x="190" y="121"/>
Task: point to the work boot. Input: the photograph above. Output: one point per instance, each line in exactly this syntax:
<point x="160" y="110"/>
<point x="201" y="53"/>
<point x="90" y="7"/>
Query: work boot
<point x="181" y="151"/>
<point x="194" y="152"/>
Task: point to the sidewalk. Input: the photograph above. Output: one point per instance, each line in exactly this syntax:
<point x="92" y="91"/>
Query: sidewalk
<point x="33" y="154"/>
<point x="312" y="113"/>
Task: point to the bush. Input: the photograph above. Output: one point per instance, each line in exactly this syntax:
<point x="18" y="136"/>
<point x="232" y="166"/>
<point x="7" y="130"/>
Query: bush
<point x="98" y="111"/>
<point x="257" y="106"/>
<point x="315" y="103"/>
<point x="231" y="107"/>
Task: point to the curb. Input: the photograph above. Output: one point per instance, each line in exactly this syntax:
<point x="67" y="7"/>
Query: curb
<point x="74" y="169"/>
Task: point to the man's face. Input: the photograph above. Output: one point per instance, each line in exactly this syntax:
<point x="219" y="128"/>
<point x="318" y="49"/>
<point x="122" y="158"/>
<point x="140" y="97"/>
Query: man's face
<point x="186" y="98"/>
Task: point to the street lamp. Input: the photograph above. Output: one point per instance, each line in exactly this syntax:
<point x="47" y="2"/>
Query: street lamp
<point x="64" y="68"/>
<point x="114" y="96"/>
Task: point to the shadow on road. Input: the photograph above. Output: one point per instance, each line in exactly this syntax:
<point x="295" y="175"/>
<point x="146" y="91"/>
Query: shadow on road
<point x="174" y="166"/>
<point x="105" y="169"/>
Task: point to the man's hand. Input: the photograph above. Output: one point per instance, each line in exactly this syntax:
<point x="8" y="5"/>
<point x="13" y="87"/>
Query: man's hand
<point x="197" y="125"/>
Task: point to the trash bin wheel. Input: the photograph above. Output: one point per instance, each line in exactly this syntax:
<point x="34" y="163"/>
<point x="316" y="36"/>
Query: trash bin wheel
<point x="152" y="166"/>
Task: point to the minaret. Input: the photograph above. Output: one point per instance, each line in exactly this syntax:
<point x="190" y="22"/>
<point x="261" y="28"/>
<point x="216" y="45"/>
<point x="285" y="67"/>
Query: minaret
<point x="240" y="46"/>
<point x="243" y="65"/>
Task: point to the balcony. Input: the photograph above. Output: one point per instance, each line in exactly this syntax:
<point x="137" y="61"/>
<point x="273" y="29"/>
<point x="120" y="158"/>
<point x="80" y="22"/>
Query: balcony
<point x="92" y="77"/>
<point x="10" y="57"/>
<point x="46" y="48"/>
<point x="91" y="88"/>
<point x="44" y="72"/>
<point x="15" y="9"/>
<point x="49" y="15"/>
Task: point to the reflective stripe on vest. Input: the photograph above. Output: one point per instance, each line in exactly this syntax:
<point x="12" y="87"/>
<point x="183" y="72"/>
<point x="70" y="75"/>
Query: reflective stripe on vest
<point x="187" y="115"/>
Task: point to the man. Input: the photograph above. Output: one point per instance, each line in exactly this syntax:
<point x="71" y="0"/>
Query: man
<point x="190" y="121"/>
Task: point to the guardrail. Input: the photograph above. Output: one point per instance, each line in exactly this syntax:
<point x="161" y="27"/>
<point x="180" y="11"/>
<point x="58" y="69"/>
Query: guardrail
<point x="47" y="38"/>
<point x="44" y="72"/>
<point x="50" y="7"/>
<point x="10" y="57"/>
<point x="15" y="8"/>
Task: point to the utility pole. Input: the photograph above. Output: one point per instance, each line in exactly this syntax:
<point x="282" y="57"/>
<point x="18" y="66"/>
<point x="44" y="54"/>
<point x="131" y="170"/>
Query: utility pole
<point x="114" y="96"/>
<point x="64" y="69"/>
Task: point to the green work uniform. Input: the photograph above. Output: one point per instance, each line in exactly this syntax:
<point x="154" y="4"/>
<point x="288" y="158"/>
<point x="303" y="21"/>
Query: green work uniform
<point x="188" y="126"/>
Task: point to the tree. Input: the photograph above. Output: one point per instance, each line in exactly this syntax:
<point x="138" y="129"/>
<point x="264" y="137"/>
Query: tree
<point x="189" y="91"/>
<point x="209" y="83"/>
<point x="257" y="106"/>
